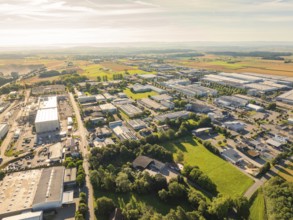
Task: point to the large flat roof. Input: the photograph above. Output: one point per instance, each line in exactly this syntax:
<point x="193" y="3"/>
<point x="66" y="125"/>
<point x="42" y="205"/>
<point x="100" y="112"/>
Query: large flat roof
<point x="48" y="102"/>
<point x="287" y="95"/>
<point x="26" y="215"/>
<point x="17" y="190"/>
<point x="50" y="187"/>
<point x="49" y="114"/>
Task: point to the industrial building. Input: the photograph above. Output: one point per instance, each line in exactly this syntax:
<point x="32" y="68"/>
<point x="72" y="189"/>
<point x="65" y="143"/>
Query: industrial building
<point x="147" y="76"/>
<point x="194" y="90"/>
<point x="146" y="88"/>
<point x="234" y="125"/>
<point x="255" y="107"/>
<point x="223" y="80"/>
<point x="122" y="101"/>
<point x="261" y="88"/>
<point x="172" y="82"/>
<point x="47" y="102"/>
<point x="103" y="142"/>
<point x="286" y="97"/>
<point x="231" y="101"/>
<point x="26" y="216"/>
<point x="70" y="177"/>
<point x="108" y="108"/>
<point x="100" y="98"/>
<point x="47" y="120"/>
<point x="152" y="104"/>
<point x="31" y="190"/>
<point x="3" y="130"/>
<point x="163" y="97"/>
<point x="131" y="110"/>
<point x="167" y="104"/>
<point x="108" y="96"/>
<point x="124" y="133"/>
<point x="248" y="78"/>
<point x="173" y="116"/>
<point x="137" y="124"/>
<point x="198" y="107"/>
<point x="84" y="99"/>
<point x="55" y="152"/>
<point x="50" y="89"/>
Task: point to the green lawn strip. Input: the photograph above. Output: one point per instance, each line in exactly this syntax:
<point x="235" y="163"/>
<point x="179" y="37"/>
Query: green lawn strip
<point x="257" y="208"/>
<point x="136" y="96"/>
<point x="228" y="179"/>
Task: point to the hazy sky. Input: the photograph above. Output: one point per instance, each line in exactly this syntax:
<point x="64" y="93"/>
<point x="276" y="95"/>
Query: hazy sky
<point x="44" y="22"/>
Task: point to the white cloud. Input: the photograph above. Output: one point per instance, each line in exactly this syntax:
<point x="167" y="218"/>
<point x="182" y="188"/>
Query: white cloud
<point x="143" y="20"/>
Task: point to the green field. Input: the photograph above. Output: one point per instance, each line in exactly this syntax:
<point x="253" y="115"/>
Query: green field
<point x="257" y="209"/>
<point x="228" y="65"/>
<point x="95" y="70"/>
<point x="136" y="96"/>
<point x="228" y="179"/>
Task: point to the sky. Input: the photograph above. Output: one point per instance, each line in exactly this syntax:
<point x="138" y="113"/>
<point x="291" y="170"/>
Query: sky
<point x="66" y="22"/>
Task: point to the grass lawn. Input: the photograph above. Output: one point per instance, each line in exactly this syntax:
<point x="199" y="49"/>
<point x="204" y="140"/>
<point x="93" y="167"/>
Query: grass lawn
<point x="229" y="180"/>
<point x="257" y="208"/>
<point x="136" y="96"/>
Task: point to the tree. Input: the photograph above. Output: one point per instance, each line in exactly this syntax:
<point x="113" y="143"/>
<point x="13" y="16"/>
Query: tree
<point x="241" y="205"/>
<point x="105" y="206"/>
<point x="80" y="179"/>
<point x="82" y="208"/>
<point x="78" y="216"/>
<point x="2" y="175"/>
<point x="122" y="182"/>
<point x="220" y="206"/>
<point x="82" y="197"/>
<point x="272" y="106"/>
<point x="180" y="157"/>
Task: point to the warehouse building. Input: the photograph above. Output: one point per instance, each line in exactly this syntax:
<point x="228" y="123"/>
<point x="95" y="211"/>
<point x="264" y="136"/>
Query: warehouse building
<point x="198" y="107"/>
<point x="262" y="88"/>
<point x="172" y="82"/>
<point x="31" y="190"/>
<point x="152" y="104"/>
<point x="168" y="104"/>
<point x="137" y="124"/>
<point x="55" y="152"/>
<point x="286" y="97"/>
<point x="255" y="107"/>
<point x="108" y="108"/>
<point x="84" y="99"/>
<point x="48" y="102"/>
<point x="173" y="116"/>
<point x="224" y="80"/>
<point x="108" y="96"/>
<point x="47" y="120"/>
<point x="100" y="98"/>
<point x="146" y="88"/>
<point x="231" y="101"/>
<point x="234" y="125"/>
<point x="123" y="133"/>
<point x="26" y="216"/>
<point x="131" y="110"/>
<point x="248" y="78"/>
<point x="163" y="97"/>
<point x="3" y="130"/>
<point x="194" y="90"/>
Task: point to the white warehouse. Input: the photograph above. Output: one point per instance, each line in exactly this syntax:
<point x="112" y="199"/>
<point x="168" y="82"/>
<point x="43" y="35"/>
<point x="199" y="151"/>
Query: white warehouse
<point x="47" y="120"/>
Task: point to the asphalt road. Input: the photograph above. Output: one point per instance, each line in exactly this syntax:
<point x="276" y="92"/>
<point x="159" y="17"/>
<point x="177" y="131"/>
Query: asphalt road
<point x="84" y="150"/>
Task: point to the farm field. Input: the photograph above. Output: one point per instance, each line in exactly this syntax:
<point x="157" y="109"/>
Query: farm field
<point x="108" y="69"/>
<point x="241" y="65"/>
<point x="36" y="79"/>
<point x="228" y="179"/>
<point x="136" y="96"/>
<point x="257" y="209"/>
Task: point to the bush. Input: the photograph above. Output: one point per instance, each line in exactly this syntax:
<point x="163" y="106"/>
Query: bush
<point x="105" y="206"/>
